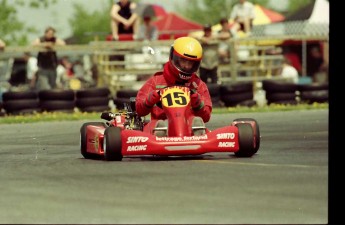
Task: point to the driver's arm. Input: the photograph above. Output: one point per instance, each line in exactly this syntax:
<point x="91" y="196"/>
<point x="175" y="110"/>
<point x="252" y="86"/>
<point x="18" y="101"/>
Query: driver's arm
<point x="205" y="111"/>
<point x="143" y="92"/>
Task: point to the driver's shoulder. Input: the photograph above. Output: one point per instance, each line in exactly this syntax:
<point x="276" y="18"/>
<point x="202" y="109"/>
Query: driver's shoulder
<point x="159" y="73"/>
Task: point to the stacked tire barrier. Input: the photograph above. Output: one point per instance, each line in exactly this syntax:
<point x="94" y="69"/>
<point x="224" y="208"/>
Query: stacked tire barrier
<point x="214" y="90"/>
<point x="237" y="94"/>
<point x="280" y="92"/>
<point x="313" y="93"/>
<point x="2" y="113"/>
<point x="57" y="100"/>
<point x="93" y="99"/>
<point x="16" y="103"/>
<point x="123" y="96"/>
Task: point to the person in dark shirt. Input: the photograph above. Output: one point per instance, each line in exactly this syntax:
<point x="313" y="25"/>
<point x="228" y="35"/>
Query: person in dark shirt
<point x="124" y="20"/>
<point x="47" y="60"/>
<point x="209" y="63"/>
<point x="316" y="63"/>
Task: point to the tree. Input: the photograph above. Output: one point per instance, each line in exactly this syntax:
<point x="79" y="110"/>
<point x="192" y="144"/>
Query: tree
<point x="295" y="5"/>
<point x="12" y="30"/>
<point x="88" y="25"/>
<point x="211" y="11"/>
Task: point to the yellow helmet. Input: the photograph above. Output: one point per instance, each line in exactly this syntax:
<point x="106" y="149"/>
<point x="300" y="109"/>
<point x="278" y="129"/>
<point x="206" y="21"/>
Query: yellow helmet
<point x="185" y="57"/>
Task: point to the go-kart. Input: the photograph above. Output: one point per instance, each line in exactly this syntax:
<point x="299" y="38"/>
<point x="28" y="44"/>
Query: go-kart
<point x="125" y="134"/>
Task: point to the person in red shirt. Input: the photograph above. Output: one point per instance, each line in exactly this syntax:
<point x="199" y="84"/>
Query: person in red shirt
<point x="184" y="61"/>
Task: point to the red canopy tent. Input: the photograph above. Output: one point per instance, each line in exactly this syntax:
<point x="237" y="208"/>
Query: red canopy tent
<point x="172" y="26"/>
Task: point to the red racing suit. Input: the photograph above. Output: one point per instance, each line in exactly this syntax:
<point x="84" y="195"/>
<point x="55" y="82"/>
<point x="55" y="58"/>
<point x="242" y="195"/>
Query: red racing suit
<point x="165" y="79"/>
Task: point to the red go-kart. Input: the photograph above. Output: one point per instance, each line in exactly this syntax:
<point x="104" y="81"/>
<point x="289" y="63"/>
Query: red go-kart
<point x="126" y="134"/>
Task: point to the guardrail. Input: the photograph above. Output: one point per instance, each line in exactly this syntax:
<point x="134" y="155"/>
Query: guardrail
<point x="113" y="59"/>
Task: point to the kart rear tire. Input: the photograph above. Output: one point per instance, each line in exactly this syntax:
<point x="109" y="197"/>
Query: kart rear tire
<point x="257" y="131"/>
<point x="245" y="139"/>
<point x="83" y="140"/>
<point x="112" y="144"/>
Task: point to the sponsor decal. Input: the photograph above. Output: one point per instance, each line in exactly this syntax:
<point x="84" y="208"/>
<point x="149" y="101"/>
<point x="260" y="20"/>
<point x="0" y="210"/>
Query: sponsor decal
<point x="226" y="136"/>
<point x="118" y="119"/>
<point x="95" y="142"/>
<point x="135" y="148"/>
<point x="137" y="139"/>
<point x="226" y="144"/>
<point x="175" y="96"/>
<point x="186" y="138"/>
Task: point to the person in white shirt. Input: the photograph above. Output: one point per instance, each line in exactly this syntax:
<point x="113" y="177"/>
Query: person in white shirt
<point x="289" y="72"/>
<point x="243" y="14"/>
<point x="31" y="68"/>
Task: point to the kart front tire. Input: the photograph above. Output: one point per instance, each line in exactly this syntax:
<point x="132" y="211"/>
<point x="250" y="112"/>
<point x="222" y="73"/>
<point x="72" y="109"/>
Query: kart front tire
<point x="112" y="144"/>
<point x="83" y="140"/>
<point x="257" y="136"/>
<point x="245" y="139"/>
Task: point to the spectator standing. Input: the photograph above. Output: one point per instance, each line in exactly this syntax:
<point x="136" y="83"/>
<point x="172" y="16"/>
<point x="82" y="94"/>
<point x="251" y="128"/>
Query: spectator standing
<point x="124" y="20"/>
<point x="243" y="14"/>
<point x="147" y="30"/>
<point x="2" y="45"/>
<point x="31" y="69"/>
<point x="47" y="60"/>
<point x="210" y="59"/>
<point x="317" y="66"/>
<point x="64" y="72"/>
<point x="289" y="72"/>
<point x="224" y="35"/>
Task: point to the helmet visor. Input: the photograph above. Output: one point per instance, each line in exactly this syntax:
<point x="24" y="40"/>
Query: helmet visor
<point x="187" y="66"/>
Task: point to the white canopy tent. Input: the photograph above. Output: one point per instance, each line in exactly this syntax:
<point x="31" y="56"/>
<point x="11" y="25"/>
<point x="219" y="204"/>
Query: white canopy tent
<point x="312" y="20"/>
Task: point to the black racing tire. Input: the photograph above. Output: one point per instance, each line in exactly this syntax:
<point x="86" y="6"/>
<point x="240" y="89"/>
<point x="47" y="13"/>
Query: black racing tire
<point x="83" y="140"/>
<point x="235" y="98"/>
<point x="245" y="139"/>
<point x="313" y="87"/>
<point x="7" y="96"/>
<point x="100" y="108"/>
<point x="126" y="93"/>
<point x="120" y="102"/>
<point x="12" y="106"/>
<point x="277" y="96"/>
<point x="240" y="87"/>
<point x="283" y="102"/>
<point x="319" y="96"/>
<point x="93" y="92"/>
<point x="278" y="86"/>
<point x="248" y="103"/>
<point x="57" y="105"/>
<point x="112" y="144"/>
<point x="213" y="89"/>
<point x="216" y="101"/>
<point x="257" y="135"/>
<point x="92" y="101"/>
<point x="67" y="95"/>
<point x="24" y="112"/>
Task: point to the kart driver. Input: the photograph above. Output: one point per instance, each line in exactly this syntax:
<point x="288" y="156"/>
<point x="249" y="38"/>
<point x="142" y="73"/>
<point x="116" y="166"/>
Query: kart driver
<point x="184" y="61"/>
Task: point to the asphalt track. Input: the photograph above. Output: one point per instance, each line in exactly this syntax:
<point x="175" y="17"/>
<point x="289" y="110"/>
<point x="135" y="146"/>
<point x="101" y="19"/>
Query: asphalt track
<point x="44" y="179"/>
